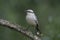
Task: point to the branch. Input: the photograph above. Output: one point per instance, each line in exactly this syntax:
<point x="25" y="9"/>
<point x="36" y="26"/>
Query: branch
<point x="19" y="28"/>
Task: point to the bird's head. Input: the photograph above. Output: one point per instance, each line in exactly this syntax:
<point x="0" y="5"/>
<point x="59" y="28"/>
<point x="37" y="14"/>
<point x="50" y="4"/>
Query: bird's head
<point x="29" y="11"/>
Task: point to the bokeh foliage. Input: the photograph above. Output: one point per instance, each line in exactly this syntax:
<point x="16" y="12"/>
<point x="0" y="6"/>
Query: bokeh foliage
<point x="47" y="11"/>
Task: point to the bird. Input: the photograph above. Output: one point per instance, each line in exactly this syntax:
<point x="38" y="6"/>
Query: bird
<point x="32" y="20"/>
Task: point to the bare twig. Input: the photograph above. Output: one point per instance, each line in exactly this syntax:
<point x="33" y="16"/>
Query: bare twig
<point x="19" y="28"/>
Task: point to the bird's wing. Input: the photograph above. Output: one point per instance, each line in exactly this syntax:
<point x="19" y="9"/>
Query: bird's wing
<point x="35" y="19"/>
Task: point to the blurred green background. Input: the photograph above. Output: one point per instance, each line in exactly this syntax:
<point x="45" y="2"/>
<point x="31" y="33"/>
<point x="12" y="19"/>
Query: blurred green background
<point x="47" y="11"/>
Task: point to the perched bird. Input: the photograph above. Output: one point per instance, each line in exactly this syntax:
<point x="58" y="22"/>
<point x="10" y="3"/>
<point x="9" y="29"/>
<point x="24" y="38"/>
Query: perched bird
<point x="32" y="19"/>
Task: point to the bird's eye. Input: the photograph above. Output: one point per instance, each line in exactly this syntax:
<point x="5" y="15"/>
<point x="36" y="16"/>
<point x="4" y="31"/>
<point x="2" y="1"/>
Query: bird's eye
<point x="28" y="11"/>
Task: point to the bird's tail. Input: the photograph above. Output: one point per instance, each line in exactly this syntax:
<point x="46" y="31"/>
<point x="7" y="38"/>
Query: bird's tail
<point x="37" y="29"/>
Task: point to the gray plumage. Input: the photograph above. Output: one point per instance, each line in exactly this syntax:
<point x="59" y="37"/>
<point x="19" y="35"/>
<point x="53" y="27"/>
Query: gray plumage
<point x="32" y="19"/>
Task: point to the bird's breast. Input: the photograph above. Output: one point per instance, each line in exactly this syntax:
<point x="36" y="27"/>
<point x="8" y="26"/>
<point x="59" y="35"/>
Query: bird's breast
<point x="30" y="19"/>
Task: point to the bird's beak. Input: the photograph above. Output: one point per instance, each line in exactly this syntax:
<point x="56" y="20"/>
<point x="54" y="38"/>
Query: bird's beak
<point x="25" y="11"/>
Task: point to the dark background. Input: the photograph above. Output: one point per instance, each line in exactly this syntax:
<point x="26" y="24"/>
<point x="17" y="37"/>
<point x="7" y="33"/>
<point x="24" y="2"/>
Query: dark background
<point x="47" y="11"/>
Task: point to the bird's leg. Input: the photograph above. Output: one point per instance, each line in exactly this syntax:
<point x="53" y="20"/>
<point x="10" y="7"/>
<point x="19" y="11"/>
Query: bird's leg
<point x="27" y="28"/>
<point x="35" y="31"/>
